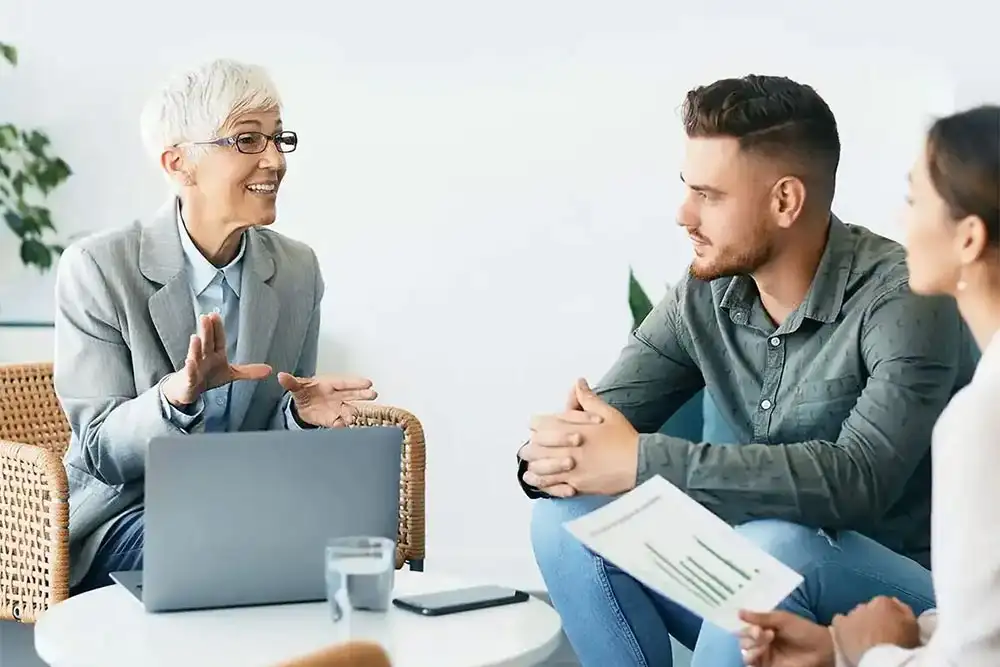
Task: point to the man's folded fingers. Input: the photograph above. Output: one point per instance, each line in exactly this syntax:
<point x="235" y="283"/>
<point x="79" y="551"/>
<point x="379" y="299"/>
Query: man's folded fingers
<point x="551" y="466"/>
<point x="561" y="491"/>
<point x="543" y="481"/>
<point x="556" y="438"/>
<point x="532" y="452"/>
<point x="564" y="421"/>
<point x="753" y="657"/>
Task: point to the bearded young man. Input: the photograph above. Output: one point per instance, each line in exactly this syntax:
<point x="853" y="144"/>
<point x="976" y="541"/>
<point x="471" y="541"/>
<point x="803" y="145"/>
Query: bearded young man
<point x="825" y="366"/>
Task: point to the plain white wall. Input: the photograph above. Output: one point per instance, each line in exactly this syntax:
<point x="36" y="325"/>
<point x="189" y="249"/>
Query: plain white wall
<point x="475" y="178"/>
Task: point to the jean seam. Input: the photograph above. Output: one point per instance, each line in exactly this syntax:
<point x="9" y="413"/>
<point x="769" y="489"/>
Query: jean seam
<point x="623" y="626"/>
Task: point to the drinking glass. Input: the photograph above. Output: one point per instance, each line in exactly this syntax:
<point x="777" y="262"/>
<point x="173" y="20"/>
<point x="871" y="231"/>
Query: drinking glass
<point x="360" y="572"/>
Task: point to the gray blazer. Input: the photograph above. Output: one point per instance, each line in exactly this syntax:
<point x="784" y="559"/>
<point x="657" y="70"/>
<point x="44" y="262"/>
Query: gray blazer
<point x="124" y="315"/>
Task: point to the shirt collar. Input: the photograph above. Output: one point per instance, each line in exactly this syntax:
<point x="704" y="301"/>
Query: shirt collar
<point x="825" y="297"/>
<point x="826" y="294"/>
<point x="201" y="272"/>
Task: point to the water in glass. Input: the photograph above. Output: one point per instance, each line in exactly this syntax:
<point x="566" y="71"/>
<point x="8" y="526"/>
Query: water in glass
<point x="359" y="575"/>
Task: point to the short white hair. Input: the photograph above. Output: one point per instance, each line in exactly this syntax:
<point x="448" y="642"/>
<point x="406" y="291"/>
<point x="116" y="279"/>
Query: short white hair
<point x="196" y="104"/>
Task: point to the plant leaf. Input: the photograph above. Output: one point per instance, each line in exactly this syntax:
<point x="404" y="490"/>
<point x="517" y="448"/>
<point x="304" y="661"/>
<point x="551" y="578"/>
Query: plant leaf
<point x="35" y="252"/>
<point x="19" y="181"/>
<point x="50" y="173"/>
<point x="15" y="222"/>
<point x="44" y="218"/>
<point x="36" y="141"/>
<point x="9" y="53"/>
<point x="8" y="136"/>
<point x="638" y="302"/>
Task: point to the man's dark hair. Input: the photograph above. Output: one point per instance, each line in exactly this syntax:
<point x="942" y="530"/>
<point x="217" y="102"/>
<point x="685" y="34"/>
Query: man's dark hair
<point x="775" y="117"/>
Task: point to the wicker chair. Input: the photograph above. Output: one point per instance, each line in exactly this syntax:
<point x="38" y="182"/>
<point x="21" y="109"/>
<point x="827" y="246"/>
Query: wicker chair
<point x="34" y="509"/>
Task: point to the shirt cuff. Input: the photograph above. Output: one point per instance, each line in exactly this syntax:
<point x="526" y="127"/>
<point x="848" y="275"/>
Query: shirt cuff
<point x="292" y="421"/>
<point x="183" y="419"/>
<point x="530" y="491"/>
<point x="661" y="455"/>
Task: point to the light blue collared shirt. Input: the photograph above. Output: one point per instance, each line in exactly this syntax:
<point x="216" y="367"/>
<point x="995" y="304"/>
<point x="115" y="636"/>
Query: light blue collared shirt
<point x="214" y="290"/>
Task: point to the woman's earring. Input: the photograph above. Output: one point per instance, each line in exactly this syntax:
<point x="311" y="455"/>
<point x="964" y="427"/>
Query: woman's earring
<point x="961" y="285"/>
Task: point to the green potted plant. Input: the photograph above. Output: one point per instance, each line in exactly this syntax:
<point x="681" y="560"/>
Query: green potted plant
<point x="689" y="421"/>
<point x="638" y="302"/>
<point x="29" y="172"/>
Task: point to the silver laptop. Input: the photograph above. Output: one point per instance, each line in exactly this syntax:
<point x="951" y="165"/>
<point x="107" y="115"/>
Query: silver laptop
<point x="237" y="519"/>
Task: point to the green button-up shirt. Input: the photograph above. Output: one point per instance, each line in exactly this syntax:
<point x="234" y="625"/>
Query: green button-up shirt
<point x="832" y="410"/>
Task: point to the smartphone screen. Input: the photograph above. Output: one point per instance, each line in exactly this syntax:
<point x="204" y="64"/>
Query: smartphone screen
<point x="464" y="599"/>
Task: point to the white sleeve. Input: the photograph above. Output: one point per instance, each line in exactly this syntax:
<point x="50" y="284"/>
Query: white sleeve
<point x="966" y="534"/>
<point x="894" y="656"/>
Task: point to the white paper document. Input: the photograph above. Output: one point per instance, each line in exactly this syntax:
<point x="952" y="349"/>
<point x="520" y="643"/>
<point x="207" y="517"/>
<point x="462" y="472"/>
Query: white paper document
<point x="679" y="549"/>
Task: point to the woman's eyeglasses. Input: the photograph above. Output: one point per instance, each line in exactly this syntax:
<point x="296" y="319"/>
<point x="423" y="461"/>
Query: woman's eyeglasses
<point x="252" y="143"/>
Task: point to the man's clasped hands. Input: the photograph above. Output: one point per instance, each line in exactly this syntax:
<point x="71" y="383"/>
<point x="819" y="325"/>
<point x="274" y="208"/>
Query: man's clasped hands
<point x="323" y="401"/>
<point x="589" y="448"/>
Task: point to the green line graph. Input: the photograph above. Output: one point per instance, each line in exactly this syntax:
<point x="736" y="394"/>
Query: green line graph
<point x="714" y="581"/>
<point x="725" y="561"/>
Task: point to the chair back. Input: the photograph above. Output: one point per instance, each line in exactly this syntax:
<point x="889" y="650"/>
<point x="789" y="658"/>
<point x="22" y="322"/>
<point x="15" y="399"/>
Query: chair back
<point x="29" y="410"/>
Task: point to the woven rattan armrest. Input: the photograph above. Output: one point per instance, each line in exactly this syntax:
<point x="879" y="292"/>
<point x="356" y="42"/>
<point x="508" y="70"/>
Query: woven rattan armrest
<point x="34" y="512"/>
<point x="410" y="542"/>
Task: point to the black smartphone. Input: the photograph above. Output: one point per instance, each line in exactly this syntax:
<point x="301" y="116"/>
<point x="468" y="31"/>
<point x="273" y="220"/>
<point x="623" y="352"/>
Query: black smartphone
<point x="463" y="599"/>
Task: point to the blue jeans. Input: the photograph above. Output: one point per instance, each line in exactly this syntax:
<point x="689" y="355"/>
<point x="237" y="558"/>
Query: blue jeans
<point x="120" y="551"/>
<point x="611" y="619"/>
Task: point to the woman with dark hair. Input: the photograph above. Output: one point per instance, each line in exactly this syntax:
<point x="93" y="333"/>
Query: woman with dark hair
<point x="953" y="250"/>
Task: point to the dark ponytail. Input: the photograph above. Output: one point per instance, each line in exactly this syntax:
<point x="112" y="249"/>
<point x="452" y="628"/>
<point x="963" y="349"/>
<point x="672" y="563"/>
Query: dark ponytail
<point x="963" y="153"/>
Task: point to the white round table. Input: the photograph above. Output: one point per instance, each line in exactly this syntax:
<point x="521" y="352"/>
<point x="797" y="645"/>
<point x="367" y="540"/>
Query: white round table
<point x="110" y="628"/>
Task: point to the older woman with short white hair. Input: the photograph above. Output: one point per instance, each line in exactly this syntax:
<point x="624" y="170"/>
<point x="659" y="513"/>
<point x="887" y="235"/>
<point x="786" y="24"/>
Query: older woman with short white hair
<point x="199" y="318"/>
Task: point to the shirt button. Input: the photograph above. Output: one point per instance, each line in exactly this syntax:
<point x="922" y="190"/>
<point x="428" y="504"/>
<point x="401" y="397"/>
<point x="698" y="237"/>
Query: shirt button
<point x="766" y="404"/>
<point x="775" y="342"/>
<point x="220" y="400"/>
<point x="216" y="310"/>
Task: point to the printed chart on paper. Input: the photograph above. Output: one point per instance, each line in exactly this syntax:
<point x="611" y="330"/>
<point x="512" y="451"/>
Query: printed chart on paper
<point x="681" y="550"/>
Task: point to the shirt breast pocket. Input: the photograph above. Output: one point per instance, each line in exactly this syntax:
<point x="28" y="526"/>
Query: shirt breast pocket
<point x="833" y="390"/>
<point x="819" y="408"/>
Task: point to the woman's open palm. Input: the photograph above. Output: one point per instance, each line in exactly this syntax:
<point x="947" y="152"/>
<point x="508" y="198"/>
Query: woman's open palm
<point x="207" y="365"/>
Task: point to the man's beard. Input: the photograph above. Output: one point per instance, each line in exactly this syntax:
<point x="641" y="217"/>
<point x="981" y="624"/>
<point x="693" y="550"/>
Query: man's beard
<point x="735" y="263"/>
